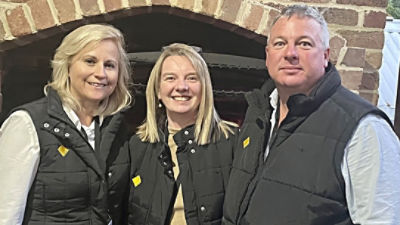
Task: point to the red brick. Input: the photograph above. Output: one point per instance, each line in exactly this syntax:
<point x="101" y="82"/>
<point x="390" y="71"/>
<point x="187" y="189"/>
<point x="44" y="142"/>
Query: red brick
<point x="254" y="18"/>
<point x="351" y="79"/>
<point x="354" y="57"/>
<point x="275" y="5"/>
<point x="347" y="17"/>
<point x="137" y="3"/>
<point x="161" y="2"/>
<point x="374" y="3"/>
<point x="375" y="19"/>
<point x="271" y="17"/>
<point x="65" y="9"/>
<point x="363" y="39"/>
<point x="312" y="1"/>
<point x="370" y="81"/>
<point x="41" y="14"/>
<point x="374" y="59"/>
<point x="186" y="4"/>
<point x="209" y="7"/>
<point x="89" y="7"/>
<point x="112" y="5"/>
<point x="336" y="44"/>
<point x="17" y="22"/>
<point x="371" y="97"/>
<point x="230" y="9"/>
<point x="18" y="1"/>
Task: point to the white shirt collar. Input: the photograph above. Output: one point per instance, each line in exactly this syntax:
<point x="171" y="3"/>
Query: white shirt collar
<point x="75" y="119"/>
<point x="89" y="130"/>
<point x="273" y="98"/>
<point x="72" y="116"/>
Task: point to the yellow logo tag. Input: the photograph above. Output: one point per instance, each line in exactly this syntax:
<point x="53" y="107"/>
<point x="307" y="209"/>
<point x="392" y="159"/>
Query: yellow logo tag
<point x="246" y="142"/>
<point x="63" y="150"/>
<point x="136" y="180"/>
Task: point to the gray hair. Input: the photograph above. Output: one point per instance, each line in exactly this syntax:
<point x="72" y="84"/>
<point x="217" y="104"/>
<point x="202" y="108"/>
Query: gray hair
<point x="310" y="12"/>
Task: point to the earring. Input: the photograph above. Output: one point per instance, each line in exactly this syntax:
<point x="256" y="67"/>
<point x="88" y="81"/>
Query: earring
<point x="159" y="104"/>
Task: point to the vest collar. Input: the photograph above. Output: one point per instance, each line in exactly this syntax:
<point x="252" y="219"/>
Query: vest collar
<point x="301" y="105"/>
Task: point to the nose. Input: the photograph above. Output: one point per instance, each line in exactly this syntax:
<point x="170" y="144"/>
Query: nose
<point x="100" y="71"/>
<point x="291" y="53"/>
<point x="182" y="85"/>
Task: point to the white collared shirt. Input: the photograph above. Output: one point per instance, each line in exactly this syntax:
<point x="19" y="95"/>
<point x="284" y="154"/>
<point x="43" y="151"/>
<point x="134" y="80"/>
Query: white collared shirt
<point x="19" y="160"/>
<point x="371" y="170"/>
<point x="90" y="130"/>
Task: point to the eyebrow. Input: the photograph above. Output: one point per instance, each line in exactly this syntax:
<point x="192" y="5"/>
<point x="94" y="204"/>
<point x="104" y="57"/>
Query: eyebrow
<point x="299" y="38"/>
<point x="173" y="73"/>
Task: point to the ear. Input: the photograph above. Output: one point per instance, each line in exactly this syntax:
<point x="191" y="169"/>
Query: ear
<point x="266" y="55"/>
<point x="326" y="57"/>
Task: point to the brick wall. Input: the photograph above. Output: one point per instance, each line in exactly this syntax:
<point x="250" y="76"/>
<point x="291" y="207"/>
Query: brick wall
<point x="356" y="26"/>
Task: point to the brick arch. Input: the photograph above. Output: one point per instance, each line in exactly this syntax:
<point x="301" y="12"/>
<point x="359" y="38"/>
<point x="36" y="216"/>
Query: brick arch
<point x="25" y="21"/>
<point x="356" y="25"/>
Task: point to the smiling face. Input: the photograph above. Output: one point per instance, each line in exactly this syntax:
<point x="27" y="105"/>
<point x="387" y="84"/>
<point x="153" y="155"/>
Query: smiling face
<point x="180" y="89"/>
<point x="296" y="58"/>
<point x="93" y="72"/>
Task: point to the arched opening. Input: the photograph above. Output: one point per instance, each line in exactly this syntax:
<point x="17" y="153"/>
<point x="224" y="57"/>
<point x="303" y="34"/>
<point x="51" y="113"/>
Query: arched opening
<point x="27" y="68"/>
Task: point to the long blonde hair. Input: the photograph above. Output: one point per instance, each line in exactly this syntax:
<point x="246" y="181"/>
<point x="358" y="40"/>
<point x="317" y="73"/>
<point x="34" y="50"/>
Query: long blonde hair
<point x="91" y="35"/>
<point x="208" y="124"/>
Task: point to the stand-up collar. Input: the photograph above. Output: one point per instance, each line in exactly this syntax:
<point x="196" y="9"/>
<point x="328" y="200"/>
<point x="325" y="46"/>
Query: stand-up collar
<point x="301" y="104"/>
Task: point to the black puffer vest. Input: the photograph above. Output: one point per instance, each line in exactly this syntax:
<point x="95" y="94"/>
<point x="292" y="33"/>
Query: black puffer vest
<point x="301" y="180"/>
<point x="72" y="179"/>
<point x="204" y="173"/>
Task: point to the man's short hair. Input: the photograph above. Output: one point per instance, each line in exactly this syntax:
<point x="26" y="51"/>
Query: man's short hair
<point x="310" y="12"/>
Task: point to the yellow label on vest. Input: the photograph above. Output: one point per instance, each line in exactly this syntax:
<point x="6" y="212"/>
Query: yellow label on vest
<point x="63" y="150"/>
<point x="136" y="181"/>
<point x="246" y="142"/>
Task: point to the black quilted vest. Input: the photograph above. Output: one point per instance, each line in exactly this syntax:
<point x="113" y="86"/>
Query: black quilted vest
<point x="301" y="181"/>
<point x="72" y="180"/>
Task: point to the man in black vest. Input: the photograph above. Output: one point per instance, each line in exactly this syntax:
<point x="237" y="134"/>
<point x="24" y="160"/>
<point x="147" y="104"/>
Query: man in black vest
<point x="310" y="151"/>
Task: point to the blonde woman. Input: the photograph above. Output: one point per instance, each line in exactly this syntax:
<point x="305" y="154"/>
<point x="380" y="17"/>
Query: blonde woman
<point x="182" y="153"/>
<point x="61" y="158"/>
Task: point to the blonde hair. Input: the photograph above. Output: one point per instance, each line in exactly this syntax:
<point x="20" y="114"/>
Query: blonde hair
<point x="90" y="36"/>
<point x="208" y="124"/>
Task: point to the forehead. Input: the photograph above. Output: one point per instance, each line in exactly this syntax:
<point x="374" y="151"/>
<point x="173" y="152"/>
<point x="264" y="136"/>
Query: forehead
<point x="177" y="62"/>
<point x="295" y="26"/>
<point x="108" y="47"/>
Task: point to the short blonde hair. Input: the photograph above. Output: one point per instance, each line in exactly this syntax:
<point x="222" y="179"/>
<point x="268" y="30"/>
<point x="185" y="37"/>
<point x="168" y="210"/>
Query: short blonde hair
<point x="91" y="35"/>
<point x="208" y="124"/>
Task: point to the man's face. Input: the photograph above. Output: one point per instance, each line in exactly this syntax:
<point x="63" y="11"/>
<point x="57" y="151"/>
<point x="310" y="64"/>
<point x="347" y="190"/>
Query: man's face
<point x="296" y="57"/>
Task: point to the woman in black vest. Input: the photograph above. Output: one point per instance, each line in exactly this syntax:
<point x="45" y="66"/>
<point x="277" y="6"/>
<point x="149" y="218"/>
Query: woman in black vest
<point x="182" y="153"/>
<point x="61" y="158"/>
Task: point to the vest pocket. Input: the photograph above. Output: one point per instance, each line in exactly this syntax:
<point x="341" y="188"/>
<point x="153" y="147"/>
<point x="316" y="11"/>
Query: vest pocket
<point x="209" y="188"/>
<point x="60" y="197"/>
